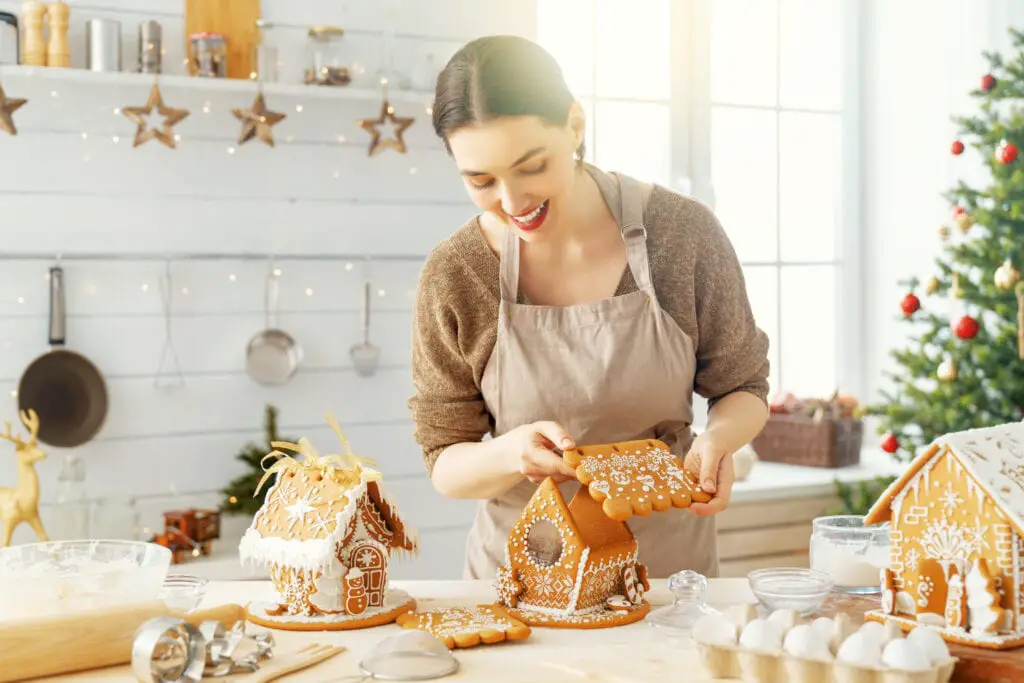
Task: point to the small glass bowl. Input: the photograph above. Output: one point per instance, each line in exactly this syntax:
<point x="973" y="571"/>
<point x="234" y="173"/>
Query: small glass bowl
<point x="801" y="590"/>
<point x="183" y="593"/>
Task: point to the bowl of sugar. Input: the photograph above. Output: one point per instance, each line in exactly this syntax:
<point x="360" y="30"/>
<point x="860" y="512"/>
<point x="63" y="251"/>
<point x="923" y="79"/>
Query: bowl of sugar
<point x="852" y="553"/>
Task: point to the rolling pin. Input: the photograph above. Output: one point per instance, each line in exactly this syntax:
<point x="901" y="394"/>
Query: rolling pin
<point x="89" y="640"/>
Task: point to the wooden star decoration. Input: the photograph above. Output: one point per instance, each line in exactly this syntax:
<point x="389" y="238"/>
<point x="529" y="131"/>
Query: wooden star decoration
<point x="258" y="121"/>
<point x="400" y="123"/>
<point x="139" y="116"/>
<point x="9" y="105"/>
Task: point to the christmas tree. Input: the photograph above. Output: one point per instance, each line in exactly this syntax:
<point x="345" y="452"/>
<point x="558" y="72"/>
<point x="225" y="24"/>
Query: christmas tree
<point x="238" y="495"/>
<point x="963" y="366"/>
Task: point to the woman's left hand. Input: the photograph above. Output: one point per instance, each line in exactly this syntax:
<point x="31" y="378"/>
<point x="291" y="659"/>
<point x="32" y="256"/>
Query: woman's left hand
<point x="713" y="465"/>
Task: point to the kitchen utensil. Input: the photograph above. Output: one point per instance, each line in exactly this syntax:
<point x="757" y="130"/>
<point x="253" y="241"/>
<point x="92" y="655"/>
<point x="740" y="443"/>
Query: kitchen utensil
<point x="64" y="387"/>
<point x="58" y="54"/>
<point x="233" y="19"/>
<point x="168" y="352"/>
<point x="149" y="50"/>
<point x="9" y="47"/>
<point x="90" y="639"/>
<point x="289" y="662"/>
<point x="365" y="356"/>
<point x="798" y="589"/>
<point x="103" y="45"/>
<point x="168" y="649"/>
<point x="688" y="588"/>
<point x="33" y="41"/>
<point x="272" y="356"/>
<point x="407" y="656"/>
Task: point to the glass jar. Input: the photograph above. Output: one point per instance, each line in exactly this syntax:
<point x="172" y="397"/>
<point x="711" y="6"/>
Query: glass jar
<point x="853" y="554"/>
<point x="208" y="55"/>
<point x="265" y="59"/>
<point x="71" y="514"/>
<point x="326" y="57"/>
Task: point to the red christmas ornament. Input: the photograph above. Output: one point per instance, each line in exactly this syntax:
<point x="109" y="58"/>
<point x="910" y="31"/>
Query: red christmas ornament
<point x="988" y="81"/>
<point x="958" y="211"/>
<point x="966" y="327"/>
<point x="958" y="148"/>
<point x="910" y="304"/>
<point x="1007" y="152"/>
<point x="889" y="443"/>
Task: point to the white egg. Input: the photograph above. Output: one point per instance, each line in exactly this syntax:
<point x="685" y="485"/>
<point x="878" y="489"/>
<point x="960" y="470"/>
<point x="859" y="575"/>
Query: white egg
<point x="904" y="655"/>
<point x="785" y="619"/>
<point x="761" y="634"/>
<point x="860" y="650"/>
<point x="930" y="642"/>
<point x="873" y="630"/>
<point x="824" y="626"/>
<point x="714" y="629"/>
<point x="804" y="641"/>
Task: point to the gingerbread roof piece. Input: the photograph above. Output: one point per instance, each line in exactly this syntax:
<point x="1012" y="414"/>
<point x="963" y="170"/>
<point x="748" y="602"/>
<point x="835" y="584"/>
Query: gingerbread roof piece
<point x="634" y="477"/>
<point x="313" y="507"/>
<point x="993" y="458"/>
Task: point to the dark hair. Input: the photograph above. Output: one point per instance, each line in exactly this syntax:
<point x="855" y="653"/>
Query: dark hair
<point x="498" y="76"/>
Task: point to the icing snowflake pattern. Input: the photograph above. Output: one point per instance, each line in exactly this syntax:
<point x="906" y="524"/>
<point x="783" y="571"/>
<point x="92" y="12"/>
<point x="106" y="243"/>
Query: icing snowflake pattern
<point x="947" y="541"/>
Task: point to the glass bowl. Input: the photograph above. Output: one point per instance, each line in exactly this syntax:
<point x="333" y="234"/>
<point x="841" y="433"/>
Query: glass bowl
<point x="183" y="592"/>
<point x="62" y="577"/>
<point x="853" y="554"/>
<point x="801" y="590"/>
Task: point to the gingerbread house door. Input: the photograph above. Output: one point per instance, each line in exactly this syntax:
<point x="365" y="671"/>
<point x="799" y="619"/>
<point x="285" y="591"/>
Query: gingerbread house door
<point x="372" y="560"/>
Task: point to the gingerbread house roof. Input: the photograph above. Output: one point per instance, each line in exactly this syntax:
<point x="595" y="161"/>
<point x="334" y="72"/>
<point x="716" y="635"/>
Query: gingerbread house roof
<point x="993" y="458"/>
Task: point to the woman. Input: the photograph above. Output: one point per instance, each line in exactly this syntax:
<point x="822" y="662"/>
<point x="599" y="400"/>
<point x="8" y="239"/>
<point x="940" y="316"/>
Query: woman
<point x="578" y="307"/>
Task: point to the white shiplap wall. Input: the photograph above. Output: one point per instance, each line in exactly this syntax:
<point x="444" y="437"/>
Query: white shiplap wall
<point x="66" y="186"/>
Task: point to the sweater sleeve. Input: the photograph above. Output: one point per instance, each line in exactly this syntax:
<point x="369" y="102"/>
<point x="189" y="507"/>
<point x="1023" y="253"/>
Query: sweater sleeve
<point x="732" y="351"/>
<point x="447" y="406"/>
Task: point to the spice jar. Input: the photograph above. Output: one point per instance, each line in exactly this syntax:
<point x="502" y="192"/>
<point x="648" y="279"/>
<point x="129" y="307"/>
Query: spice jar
<point x="327" y="66"/>
<point x="208" y="55"/>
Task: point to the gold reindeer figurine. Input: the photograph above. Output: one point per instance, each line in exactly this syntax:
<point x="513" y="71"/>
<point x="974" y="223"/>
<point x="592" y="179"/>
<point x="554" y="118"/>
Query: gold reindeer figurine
<point x="21" y="504"/>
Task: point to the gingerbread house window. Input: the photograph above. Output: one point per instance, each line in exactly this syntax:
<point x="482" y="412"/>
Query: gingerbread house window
<point x="544" y="543"/>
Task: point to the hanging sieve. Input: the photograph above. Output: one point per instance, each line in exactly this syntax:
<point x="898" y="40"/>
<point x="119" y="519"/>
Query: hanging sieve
<point x="406" y="656"/>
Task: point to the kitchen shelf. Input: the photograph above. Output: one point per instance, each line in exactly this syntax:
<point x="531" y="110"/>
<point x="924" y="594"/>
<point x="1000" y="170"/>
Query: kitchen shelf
<point x="57" y="76"/>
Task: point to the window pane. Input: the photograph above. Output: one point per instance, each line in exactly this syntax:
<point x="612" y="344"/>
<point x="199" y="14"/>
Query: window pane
<point x="743" y="48"/>
<point x="565" y="28"/>
<point x="808" y="339"/>
<point x="743" y="174"/>
<point x="632" y="48"/>
<point x="810" y="153"/>
<point x="810" y="54"/>
<point x="763" y="292"/>
<point x="634" y="138"/>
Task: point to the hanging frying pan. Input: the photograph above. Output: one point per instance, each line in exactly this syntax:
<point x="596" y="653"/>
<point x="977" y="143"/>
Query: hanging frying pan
<point x="64" y="388"/>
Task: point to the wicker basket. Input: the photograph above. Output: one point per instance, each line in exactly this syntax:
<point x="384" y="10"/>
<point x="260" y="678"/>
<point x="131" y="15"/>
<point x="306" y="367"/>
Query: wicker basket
<point x="802" y="440"/>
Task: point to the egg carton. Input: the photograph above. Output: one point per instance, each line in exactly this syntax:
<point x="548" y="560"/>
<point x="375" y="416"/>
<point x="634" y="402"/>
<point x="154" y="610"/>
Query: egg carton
<point x="732" y="661"/>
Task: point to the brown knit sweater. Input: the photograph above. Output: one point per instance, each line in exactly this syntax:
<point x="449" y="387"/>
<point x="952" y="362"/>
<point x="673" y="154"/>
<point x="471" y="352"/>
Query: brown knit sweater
<point x="697" y="278"/>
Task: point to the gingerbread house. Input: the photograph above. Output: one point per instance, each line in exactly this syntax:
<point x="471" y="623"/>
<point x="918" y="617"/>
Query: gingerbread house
<point x="576" y="564"/>
<point x="327" y="531"/>
<point x="956" y="521"/>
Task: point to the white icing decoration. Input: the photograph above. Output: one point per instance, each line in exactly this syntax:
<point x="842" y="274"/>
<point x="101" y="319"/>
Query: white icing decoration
<point x="982" y="612"/>
<point x="327" y="594"/>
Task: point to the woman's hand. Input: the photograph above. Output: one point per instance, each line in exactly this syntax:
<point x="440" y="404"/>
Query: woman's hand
<point x="712" y="463"/>
<point x="531" y="451"/>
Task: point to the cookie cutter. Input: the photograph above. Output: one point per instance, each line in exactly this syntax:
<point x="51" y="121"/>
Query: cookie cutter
<point x="169" y="650"/>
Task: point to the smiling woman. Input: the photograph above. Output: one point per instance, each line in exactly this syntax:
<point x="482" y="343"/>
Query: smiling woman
<point x="578" y="307"/>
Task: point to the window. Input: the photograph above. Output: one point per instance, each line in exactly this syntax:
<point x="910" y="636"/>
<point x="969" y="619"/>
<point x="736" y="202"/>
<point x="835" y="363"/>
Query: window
<point x="615" y="57"/>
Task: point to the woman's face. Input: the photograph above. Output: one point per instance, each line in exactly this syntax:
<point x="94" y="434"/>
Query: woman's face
<point x="520" y="170"/>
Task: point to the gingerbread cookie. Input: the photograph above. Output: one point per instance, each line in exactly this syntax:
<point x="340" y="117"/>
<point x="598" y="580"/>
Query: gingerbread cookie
<point x="931" y="592"/>
<point x="467" y="626"/>
<point x="956" y="600"/>
<point x="634" y="477"/>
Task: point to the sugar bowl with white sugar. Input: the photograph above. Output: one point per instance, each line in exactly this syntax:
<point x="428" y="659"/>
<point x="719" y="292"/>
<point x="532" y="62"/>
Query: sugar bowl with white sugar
<point x="851" y="553"/>
<point x="783" y="646"/>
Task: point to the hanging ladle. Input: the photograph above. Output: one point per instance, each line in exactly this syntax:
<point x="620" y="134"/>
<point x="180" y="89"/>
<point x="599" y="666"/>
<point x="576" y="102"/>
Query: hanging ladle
<point x="365" y="356"/>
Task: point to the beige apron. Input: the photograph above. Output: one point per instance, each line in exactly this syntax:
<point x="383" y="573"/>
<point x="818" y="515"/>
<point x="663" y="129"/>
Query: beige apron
<point x="612" y="370"/>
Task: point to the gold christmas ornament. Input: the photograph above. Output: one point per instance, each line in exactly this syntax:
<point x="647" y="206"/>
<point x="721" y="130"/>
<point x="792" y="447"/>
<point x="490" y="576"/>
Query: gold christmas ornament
<point x="956" y="291"/>
<point x="20" y="504"/>
<point x="944" y="232"/>
<point x="946" y="371"/>
<point x="8" y="106"/>
<point x="1007" y="276"/>
<point x="1019" y="291"/>
<point x="932" y="286"/>
<point x="387" y="114"/>
<point x="965" y="221"/>
<point x="137" y="115"/>
<point x="257" y="121"/>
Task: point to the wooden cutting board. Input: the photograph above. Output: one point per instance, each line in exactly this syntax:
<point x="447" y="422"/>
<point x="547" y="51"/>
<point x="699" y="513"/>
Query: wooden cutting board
<point x="976" y="664"/>
<point x="236" y="21"/>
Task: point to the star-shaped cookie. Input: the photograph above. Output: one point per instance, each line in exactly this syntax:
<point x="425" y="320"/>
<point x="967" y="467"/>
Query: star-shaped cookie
<point x="9" y="105"/>
<point x="467" y="626"/>
<point x="257" y="121"/>
<point x="634" y="477"/>
<point x="139" y="116"/>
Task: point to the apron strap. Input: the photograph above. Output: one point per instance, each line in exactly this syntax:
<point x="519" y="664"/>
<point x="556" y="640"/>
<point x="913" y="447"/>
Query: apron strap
<point x="509" y="267"/>
<point x="634" y="233"/>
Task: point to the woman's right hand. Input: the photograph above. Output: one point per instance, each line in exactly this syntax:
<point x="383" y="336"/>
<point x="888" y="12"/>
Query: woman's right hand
<point x="531" y="451"/>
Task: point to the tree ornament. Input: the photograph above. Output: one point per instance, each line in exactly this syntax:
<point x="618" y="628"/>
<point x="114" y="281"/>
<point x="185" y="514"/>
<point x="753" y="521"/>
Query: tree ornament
<point x="910" y="304"/>
<point x="138" y="116"/>
<point x="1006" y="275"/>
<point x="946" y="371"/>
<point x="889" y="443"/>
<point x="1019" y="291"/>
<point x="1006" y="152"/>
<point x="944" y="232"/>
<point x="988" y="81"/>
<point x="932" y="286"/>
<point x="966" y="327"/>
<point x="962" y="218"/>
<point x="387" y="113"/>
<point x="957" y="148"/>
<point x="8" y="106"/>
<point x="257" y="121"/>
<point x="956" y="291"/>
